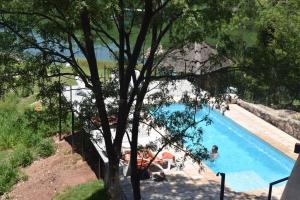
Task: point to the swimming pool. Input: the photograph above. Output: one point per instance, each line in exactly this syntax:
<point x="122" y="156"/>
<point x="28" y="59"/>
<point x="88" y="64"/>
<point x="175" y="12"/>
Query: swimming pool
<point x="249" y="162"/>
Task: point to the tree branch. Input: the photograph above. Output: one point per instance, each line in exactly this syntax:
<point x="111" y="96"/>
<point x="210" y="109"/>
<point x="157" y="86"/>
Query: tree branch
<point x="162" y="6"/>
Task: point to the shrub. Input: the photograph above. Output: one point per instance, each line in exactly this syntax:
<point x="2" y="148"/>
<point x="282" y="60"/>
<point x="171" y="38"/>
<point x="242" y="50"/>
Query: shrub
<point x="45" y="148"/>
<point x="30" y="139"/>
<point x="8" y="177"/>
<point x="22" y="156"/>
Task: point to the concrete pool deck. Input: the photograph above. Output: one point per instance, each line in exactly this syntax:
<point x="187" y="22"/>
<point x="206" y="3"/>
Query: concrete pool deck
<point x="188" y="183"/>
<point x="264" y="130"/>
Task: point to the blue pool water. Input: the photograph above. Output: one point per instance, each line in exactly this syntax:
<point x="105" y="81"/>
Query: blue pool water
<point x="249" y="162"/>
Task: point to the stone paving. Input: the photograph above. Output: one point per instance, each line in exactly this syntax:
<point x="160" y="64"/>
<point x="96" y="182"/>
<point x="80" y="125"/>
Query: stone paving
<point x="188" y="183"/>
<point x="180" y="186"/>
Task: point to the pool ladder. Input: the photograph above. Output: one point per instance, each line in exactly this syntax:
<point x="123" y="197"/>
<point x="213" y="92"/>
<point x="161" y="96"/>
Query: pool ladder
<point x="274" y="183"/>
<point x="270" y="186"/>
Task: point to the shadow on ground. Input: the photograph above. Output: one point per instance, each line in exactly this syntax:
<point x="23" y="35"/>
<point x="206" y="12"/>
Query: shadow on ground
<point x="83" y="146"/>
<point x="179" y="187"/>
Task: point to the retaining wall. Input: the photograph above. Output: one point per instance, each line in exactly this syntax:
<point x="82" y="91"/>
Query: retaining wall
<point x="290" y="126"/>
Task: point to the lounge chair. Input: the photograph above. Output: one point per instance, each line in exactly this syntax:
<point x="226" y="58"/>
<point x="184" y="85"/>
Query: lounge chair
<point x="164" y="162"/>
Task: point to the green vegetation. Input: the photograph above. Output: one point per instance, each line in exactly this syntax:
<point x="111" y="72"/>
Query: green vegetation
<point x="45" y="148"/>
<point x="8" y="176"/>
<point x="22" y="156"/>
<point x="104" y="68"/>
<point x="90" y="191"/>
<point x="263" y="41"/>
<point x="23" y="137"/>
<point x="101" y="65"/>
<point x="4" y="155"/>
<point x="26" y="128"/>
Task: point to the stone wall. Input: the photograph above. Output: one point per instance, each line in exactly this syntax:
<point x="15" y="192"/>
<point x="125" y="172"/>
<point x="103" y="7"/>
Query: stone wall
<point x="288" y="125"/>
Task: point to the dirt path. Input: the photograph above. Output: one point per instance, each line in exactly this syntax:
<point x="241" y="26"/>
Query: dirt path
<point x="48" y="176"/>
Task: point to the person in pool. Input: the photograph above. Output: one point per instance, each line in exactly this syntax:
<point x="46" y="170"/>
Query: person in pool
<point x="213" y="153"/>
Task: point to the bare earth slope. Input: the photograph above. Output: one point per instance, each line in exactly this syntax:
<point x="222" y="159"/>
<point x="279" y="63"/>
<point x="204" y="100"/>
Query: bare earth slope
<point x="48" y="176"/>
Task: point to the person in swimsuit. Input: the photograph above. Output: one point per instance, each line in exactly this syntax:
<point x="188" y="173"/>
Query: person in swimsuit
<point x="213" y="153"/>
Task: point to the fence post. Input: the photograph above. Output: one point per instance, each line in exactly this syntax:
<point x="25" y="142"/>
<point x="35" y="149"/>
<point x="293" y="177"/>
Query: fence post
<point x="72" y="119"/>
<point x="59" y="94"/>
<point x="99" y="168"/>
<point x="82" y="134"/>
<point x="104" y="73"/>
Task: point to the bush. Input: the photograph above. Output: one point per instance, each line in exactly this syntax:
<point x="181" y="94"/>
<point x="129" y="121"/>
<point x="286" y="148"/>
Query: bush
<point x="8" y="177"/>
<point x="30" y="139"/>
<point x="22" y="156"/>
<point x="45" y="148"/>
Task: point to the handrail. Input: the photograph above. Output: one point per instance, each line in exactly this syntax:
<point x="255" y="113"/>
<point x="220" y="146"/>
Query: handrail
<point x="274" y="183"/>
<point x="297" y="148"/>
<point x="222" y="184"/>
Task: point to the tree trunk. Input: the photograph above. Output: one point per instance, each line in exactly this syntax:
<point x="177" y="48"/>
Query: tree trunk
<point x="135" y="175"/>
<point x="135" y="178"/>
<point x="135" y="181"/>
<point x="114" y="187"/>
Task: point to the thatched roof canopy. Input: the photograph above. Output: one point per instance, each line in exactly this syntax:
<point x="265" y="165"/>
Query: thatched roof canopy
<point x="195" y="58"/>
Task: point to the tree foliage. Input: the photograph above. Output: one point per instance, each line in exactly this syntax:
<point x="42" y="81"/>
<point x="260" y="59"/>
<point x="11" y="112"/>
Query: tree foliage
<point x="263" y="40"/>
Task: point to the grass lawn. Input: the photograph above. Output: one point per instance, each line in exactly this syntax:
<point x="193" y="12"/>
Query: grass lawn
<point x="25" y="103"/>
<point x="14" y="100"/>
<point x="104" y="69"/>
<point x="93" y="190"/>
